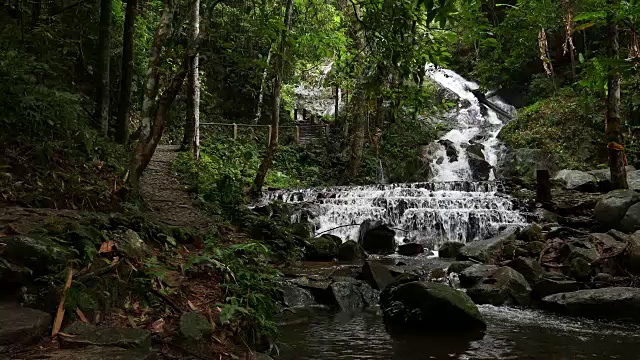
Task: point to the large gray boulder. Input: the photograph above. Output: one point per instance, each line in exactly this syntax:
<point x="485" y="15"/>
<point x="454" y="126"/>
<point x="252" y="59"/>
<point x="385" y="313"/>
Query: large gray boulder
<point x="295" y="296"/>
<point x="20" y="325"/>
<point x="429" y="307"/>
<point x="616" y="303"/>
<point x="85" y="334"/>
<point x="379" y="240"/>
<point x="475" y="273"/>
<point x="450" y="249"/>
<point x="486" y="250"/>
<point x="553" y="283"/>
<point x="321" y="249"/>
<point x="40" y="255"/>
<point x="631" y="220"/>
<point x="195" y="326"/>
<point x="603" y="177"/>
<point x="612" y="207"/>
<point x="352" y="295"/>
<point x="376" y="275"/>
<point x="528" y="267"/>
<point x="351" y="251"/>
<point x="576" y="180"/>
<point x="480" y="168"/>
<point x="504" y="286"/>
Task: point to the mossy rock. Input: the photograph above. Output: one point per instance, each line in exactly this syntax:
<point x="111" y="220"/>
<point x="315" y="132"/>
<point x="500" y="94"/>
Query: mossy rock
<point x="41" y="255"/>
<point x="195" y="326"/>
<point x="321" y="249"/>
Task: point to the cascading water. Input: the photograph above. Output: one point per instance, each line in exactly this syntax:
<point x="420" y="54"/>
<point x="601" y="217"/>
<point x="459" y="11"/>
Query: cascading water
<point x="460" y="204"/>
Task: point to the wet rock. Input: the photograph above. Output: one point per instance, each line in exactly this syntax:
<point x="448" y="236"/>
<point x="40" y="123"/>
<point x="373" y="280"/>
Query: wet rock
<point x="366" y="226"/>
<point x="535" y="248"/>
<point x="475" y="273"/>
<point x="575" y="180"/>
<point x="195" y="326"/>
<point x="580" y="269"/>
<point x="476" y="149"/>
<point x="379" y="240"/>
<point x="295" y="296"/>
<point x="40" y="255"/>
<point x="336" y="239"/>
<point x="87" y="335"/>
<point x="459" y="266"/>
<point x="99" y="353"/>
<point x="410" y="249"/>
<point x="450" y="249"/>
<point x="545" y="216"/>
<point x="425" y="306"/>
<point x="480" y="168"/>
<point x="616" y="303"/>
<point x="504" y="286"/>
<point x="564" y="232"/>
<point x="133" y="246"/>
<point x="553" y="283"/>
<point x="612" y="207"/>
<point x="376" y="275"/>
<point x="589" y="255"/>
<point x="529" y="268"/>
<point x="352" y="295"/>
<point x="318" y="288"/>
<point x="631" y="220"/>
<point x="486" y="250"/>
<point x="351" y="251"/>
<point x="603" y="178"/>
<point x="20" y="325"/>
<point x="450" y="149"/>
<point x="532" y="232"/>
<point x="607" y="245"/>
<point x="321" y="249"/>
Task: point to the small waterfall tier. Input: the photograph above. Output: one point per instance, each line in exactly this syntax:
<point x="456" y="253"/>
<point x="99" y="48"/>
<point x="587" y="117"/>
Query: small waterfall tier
<point x="429" y="212"/>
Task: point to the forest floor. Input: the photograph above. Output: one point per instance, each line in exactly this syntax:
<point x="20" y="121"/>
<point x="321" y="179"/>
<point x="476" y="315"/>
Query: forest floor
<point x="167" y="200"/>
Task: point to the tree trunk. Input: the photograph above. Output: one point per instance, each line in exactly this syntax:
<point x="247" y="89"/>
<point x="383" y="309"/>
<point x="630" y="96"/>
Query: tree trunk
<point x="104" y="55"/>
<point x="357" y="134"/>
<point x="275" y="111"/>
<point x="262" y="85"/>
<point x="124" y="105"/>
<point x="613" y="128"/>
<point x="146" y="145"/>
<point x="192" y="125"/>
<point x="336" y="109"/>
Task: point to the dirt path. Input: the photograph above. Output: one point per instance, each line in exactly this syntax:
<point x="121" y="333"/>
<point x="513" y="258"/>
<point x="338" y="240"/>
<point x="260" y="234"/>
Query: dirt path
<point x="167" y="200"/>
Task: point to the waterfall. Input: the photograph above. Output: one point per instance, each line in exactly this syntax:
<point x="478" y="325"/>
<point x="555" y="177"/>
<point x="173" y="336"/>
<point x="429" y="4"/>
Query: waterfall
<point x="463" y="202"/>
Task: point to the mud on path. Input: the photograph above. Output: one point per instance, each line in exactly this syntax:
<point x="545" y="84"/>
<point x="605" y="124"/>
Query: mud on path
<point x="167" y="200"/>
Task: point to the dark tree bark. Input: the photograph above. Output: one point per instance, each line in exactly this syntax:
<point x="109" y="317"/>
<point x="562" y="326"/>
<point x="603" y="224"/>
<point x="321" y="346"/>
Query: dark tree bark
<point x="124" y="105"/>
<point x="275" y="110"/>
<point x="263" y="83"/>
<point x="191" y="130"/>
<point x="613" y="128"/>
<point x="336" y="109"/>
<point x="104" y="56"/>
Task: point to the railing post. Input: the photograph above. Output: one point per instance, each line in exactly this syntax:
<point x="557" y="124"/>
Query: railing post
<point x="269" y="136"/>
<point x="235" y="131"/>
<point x="295" y="114"/>
<point x="297" y="134"/>
<point x="326" y="130"/>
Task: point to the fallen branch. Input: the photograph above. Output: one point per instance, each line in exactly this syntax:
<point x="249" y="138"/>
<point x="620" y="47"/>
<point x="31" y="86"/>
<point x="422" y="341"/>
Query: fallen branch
<point x="98" y="272"/>
<point x="57" y="323"/>
<point x="167" y="299"/>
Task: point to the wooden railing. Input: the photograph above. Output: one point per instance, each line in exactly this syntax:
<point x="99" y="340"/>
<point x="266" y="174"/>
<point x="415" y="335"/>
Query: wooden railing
<point x="297" y="129"/>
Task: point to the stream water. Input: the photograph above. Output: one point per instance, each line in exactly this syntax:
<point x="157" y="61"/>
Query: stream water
<point x="511" y="334"/>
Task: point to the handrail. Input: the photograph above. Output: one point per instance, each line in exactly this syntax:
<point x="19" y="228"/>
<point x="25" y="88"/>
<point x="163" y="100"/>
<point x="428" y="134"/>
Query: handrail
<point x="296" y="127"/>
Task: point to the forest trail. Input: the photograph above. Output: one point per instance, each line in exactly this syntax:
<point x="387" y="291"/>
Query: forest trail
<point x="167" y="200"/>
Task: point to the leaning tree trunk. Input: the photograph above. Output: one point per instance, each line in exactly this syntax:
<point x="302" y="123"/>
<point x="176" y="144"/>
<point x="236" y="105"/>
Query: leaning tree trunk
<point x="275" y="111"/>
<point x="124" y="105"/>
<point x="192" y="125"/>
<point x="147" y="142"/>
<point x="617" y="160"/>
<point x="102" y="90"/>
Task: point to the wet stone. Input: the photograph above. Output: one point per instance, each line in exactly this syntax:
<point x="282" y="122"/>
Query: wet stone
<point x="20" y="325"/>
<point x="88" y="334"/>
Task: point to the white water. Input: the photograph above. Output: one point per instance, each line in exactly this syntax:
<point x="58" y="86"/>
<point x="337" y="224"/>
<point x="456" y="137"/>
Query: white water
<point x="454" y="207"/>
<point x="469" y="120"/>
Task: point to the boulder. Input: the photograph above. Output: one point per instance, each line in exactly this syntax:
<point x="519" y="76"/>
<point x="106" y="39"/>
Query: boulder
<point x="13" y="274"/>
<point x="521" y="165"/>
<point x="319" y="288"/>
<point x="486" y="250"/>
<point x="379" y="240"/>
<point x="480" y="168"/>
<point x="545" y="216"/>
<point x="21" y="325"/>
<point x="631" y="220"/>
<point x="336" y="239"/>
<point x="99" y="353"/>
<point x="504" y="286"/>
<point x="353" y="295"/>
<point x="475" y="273"/>
<point x="321" y="249"/>
<point x="476" y="149"/>
<point x="612" y="207"/>
<point x="631" y="258"/>
<point x="615" y="303"/>
<point x="295" y="296"/>
<point x="450" y="249"/>
<point x="351" y="251"/>
<point x="459" y="266"/>
<point x="86" y="334"/>
<point x="535" y="248"/>
<point x="40" y="255"/>
<point x="376" y="275"/>
<point x="365" y="226"/>
<point x="575" y="180"/>
<point x="450" y="149"/>
<point x="195" y="326"/>
<point x="133" y="246"/>
<point x="580" y="269"/>
<point x="603" y="178"/>
<point x="553" y="283"/>
<point x="589" y="255"/>
<point x="425" y="306"/>
<point x="410" y="249"/>
<point x="532" y="232"/>
<point x="529" y="268"/>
